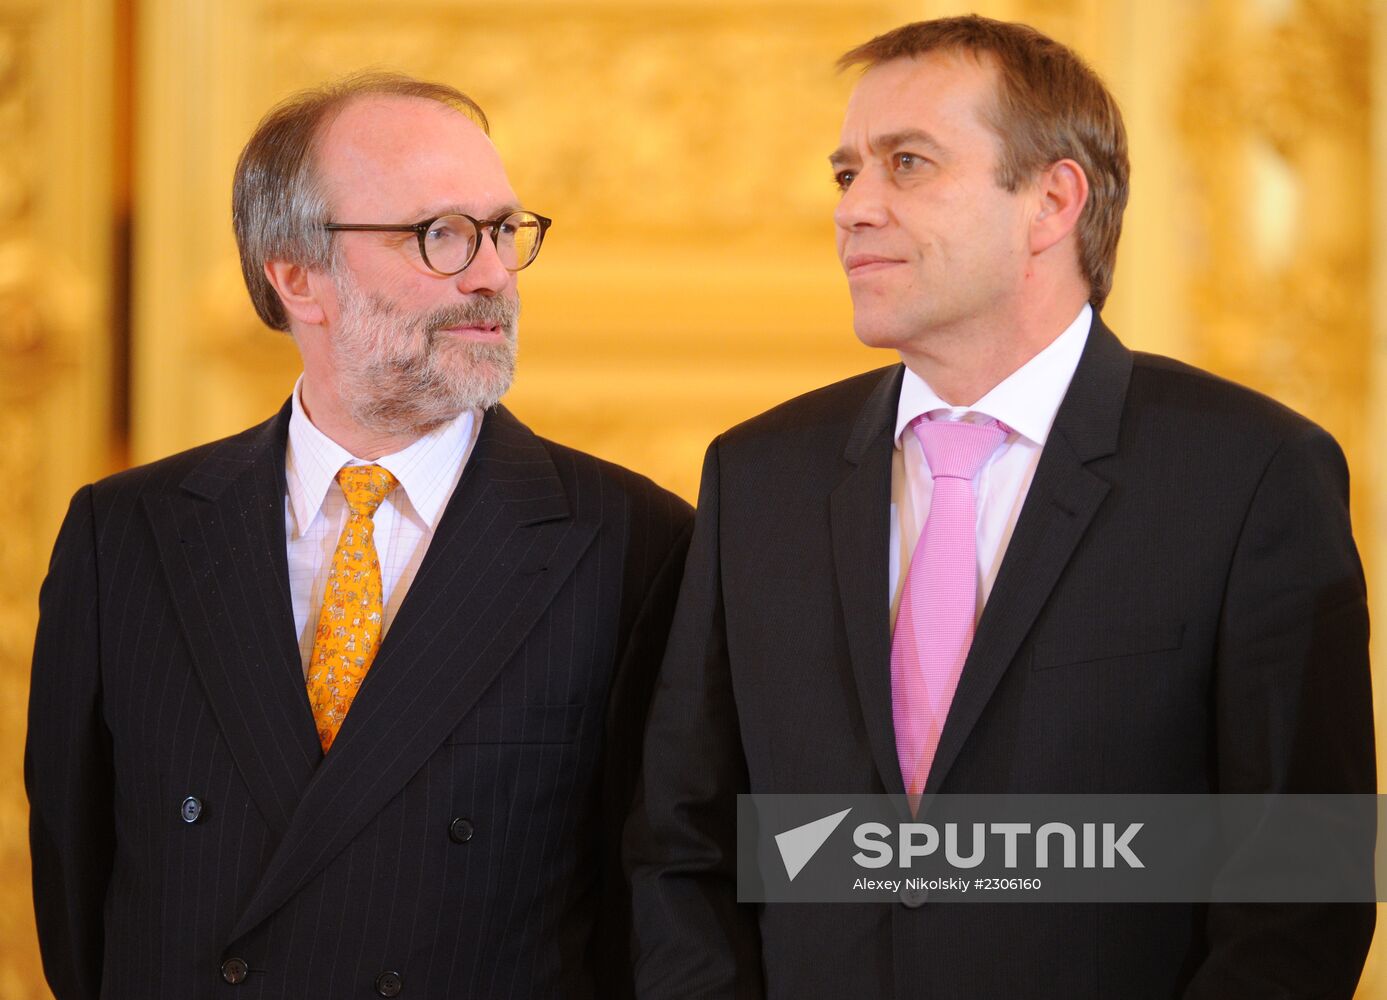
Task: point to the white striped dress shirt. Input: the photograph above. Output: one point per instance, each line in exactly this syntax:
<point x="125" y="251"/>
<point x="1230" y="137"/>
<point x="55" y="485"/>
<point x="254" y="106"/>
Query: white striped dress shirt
<point x="315" y="509"/>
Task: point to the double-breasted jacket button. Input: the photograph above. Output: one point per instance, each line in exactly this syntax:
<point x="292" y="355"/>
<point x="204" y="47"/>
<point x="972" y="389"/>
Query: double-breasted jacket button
<point x="460" y="831"/>
<point x="234" y="971"/>
<point x="191" y="810"/>
<point x="389" y="984"/>
<point x="913" y="898"/>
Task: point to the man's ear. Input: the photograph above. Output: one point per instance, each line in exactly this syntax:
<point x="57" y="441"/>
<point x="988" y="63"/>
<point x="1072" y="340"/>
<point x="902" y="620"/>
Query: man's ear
<point x="1062" y="188"/>
<point x="296" y="291"/>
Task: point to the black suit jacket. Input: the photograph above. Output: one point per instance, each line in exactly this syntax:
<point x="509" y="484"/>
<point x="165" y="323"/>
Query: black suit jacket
<point x="1180" y="609"/>
<point x="461" y="834"/>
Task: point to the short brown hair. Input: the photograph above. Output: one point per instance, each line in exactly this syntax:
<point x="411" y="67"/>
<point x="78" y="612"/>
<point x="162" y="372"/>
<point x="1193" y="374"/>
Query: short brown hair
<point x="1050" y="106"/>
<point x="278" y="206"/>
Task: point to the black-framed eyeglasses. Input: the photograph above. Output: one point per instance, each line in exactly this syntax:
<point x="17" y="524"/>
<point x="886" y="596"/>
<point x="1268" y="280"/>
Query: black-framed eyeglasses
<point x="449" y="243"/>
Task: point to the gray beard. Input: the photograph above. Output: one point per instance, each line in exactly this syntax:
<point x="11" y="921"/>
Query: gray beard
<point x="401" y="377"/>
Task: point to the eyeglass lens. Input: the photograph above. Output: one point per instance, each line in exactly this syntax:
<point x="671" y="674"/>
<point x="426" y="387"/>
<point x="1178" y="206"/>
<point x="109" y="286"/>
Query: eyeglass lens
<point x="452" y="240"/>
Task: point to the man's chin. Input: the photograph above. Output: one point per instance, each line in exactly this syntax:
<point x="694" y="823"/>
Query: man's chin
<point x="488" y="390"/>
<point x="876" y="333"/>
<point x="481" y="373"/>
<point x="418" y="413"/>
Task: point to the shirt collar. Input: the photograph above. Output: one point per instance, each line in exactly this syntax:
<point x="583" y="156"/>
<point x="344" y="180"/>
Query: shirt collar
<point x="1026" y="400"/>
<point x="427" y="470"/>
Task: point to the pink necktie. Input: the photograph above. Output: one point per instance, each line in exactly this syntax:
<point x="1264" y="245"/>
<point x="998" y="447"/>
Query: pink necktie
<point x="934" y="625"/>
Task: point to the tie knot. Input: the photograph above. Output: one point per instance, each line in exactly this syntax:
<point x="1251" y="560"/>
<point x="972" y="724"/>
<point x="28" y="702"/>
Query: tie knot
<point x="365" y="487"/>
<point x="956" y="449"/>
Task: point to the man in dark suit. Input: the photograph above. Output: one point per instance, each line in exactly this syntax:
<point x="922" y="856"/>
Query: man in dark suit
<point x="349" y="704"/>
<point x="1026" y="560"/>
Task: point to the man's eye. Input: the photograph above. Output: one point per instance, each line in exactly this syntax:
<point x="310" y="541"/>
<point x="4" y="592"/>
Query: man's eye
<point x="441" y="233"/>
<point x="905" y="161"/>
<point x="843" y="179"/>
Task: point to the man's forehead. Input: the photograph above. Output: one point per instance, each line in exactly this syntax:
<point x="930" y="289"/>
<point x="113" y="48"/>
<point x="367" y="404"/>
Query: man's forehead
<point x="926" y="92"/>
<point x="391" y="126"/>
<point x="409" y="151"/>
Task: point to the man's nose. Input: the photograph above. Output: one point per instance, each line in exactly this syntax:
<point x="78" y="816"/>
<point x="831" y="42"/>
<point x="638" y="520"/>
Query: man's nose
<point x="486" y="275"/>
<point x="863" y="204"/>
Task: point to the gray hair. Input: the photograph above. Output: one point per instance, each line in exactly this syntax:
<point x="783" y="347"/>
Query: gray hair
<point x="278" y="206"/>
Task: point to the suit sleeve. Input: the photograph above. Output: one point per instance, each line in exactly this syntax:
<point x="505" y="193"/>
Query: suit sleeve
<point x="626" y="712"/>
<point x="67" y="765"/>
<point x="693" y="940"/>
<point x="1293" y="713"/>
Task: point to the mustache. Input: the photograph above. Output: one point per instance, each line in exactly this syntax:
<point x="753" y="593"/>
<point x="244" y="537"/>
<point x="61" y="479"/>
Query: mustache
<point x="493" y="310"/>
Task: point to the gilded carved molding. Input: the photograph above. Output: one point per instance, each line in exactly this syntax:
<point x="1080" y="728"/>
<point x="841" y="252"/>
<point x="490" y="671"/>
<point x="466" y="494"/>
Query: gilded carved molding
<point x="23" y="345"/>
<point x="686" y="104"/>
<point x="1275" y="115"/>
<point x="55" y="221"/>
<point x="23" y="358"/>
<point x="23" y="363"/>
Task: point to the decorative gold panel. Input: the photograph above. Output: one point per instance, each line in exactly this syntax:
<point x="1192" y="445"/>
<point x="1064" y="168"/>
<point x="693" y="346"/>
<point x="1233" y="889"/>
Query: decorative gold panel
<point x="1276" y="123"/>
<point x="55" y="365"/>
<point x="689" y="280"/>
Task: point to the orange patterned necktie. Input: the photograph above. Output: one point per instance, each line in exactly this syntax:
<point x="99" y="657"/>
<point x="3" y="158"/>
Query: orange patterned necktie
<point x="349" y="625"/>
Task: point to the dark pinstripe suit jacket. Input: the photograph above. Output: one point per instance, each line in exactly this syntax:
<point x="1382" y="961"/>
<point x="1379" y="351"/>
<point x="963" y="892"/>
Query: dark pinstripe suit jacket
<point x="508" y="693"/>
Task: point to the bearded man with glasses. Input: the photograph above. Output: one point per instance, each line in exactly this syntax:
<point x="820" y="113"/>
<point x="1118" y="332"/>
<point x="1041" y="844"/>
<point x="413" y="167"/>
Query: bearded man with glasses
<point x="349" y="704"/>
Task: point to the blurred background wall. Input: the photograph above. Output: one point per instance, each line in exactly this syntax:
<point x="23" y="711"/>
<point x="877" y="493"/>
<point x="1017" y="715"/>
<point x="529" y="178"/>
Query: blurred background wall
<point x="689" y="280"/>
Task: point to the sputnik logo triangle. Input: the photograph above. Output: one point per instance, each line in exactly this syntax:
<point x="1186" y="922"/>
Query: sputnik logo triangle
<point x="800" y="844"/>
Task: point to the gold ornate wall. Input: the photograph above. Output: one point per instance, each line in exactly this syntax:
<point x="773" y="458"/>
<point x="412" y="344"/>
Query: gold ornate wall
<point x="692" y="204"/>
<point x="1277" y="128"/>
<point x="55" y="360"/>
<point x="690" y="279"/>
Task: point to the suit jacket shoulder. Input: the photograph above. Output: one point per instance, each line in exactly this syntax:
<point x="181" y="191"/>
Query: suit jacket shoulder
<point x="828" y="411"/>
<point x="662" y="512"/>
<point x="803" y="447"/>
<point x="1222" y="432"/>
<point x="202" y="468"/>
<point x="1173" y="387"/>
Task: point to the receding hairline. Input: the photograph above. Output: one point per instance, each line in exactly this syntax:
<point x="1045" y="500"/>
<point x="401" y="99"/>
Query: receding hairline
<point x="858" y="58"/>
<point x="334" y="95"/>
<point x="350" y="102"/>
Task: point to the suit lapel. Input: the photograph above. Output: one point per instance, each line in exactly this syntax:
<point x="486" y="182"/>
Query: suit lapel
<point x="504" y="546"/>
<point x="859" y="513"/>
<point x="221" y="542"/>
<point x="1062" y="500"/>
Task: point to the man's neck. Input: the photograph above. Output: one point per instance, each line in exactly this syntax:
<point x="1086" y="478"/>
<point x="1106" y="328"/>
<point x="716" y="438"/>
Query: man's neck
<point x="965" y="363"/>
<point x="330" y="417"/>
